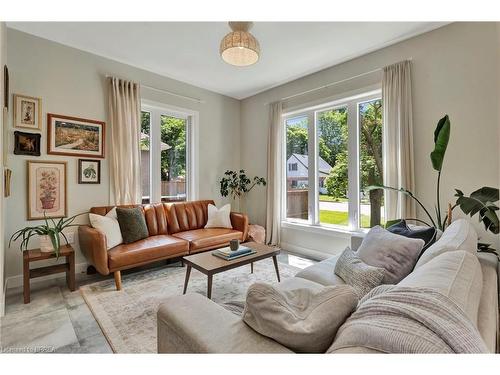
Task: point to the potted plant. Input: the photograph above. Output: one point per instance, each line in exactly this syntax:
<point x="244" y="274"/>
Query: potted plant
<point x="482" y="201"/>
<point x="50" y="234"/>
<point x="237" y="184"/>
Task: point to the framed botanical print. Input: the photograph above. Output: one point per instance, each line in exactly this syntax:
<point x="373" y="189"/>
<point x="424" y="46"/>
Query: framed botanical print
<point x="27" y="143"/>
<point x="27" y="112"/>
<point x="89" y="171"/>
<point x="73" y="136"/>
<point x="47" y="191"/>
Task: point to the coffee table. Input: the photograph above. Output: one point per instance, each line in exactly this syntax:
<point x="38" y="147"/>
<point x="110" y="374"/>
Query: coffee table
<point x="210" y="265"/>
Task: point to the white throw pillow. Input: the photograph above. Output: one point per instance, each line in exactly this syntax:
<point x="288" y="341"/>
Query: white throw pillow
<point x="109" y="226"/>
<point x="219" y="218"/>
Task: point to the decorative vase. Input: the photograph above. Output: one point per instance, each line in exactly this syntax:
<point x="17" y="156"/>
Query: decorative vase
<point x="46" y="244"/>
<point x="47" y="203"/>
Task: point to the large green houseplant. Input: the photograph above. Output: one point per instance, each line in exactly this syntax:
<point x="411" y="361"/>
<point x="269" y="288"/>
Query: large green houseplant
<point x="52" y="230"/>
<point x="482" y="201"/>
<point x="237" y="184"/>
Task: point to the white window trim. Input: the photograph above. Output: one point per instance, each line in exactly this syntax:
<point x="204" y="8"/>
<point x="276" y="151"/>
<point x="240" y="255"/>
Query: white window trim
<point x="312" y="224"/>
<point x="192" y="146"/>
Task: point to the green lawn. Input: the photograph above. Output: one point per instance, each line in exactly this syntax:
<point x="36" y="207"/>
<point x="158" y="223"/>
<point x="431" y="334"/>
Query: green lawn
<point x="340" y="218"/>
<point x="328" y="198"/>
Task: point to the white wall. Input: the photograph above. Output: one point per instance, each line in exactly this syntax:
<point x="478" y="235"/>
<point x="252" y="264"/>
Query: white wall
<point x="455" y="71"/>
<point x="71" y="82"/>
<point x="3" y="60"/>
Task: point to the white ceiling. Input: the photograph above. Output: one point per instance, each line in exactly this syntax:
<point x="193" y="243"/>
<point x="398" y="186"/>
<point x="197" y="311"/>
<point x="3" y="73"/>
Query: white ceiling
<point x="189" y="51"/>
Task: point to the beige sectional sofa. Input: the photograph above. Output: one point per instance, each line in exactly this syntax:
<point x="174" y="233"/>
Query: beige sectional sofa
<point x="195" y="324"/>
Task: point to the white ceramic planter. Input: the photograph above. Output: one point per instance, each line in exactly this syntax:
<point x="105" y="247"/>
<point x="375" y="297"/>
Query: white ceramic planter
<point x="46" y="244"/>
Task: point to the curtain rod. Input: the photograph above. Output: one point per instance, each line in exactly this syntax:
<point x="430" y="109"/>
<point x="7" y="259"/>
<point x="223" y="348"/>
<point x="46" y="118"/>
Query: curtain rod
<point x="333" y="83"/>
<point x="201" y="101"/>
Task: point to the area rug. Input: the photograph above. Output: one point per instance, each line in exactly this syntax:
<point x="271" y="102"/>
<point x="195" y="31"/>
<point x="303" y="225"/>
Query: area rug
<point x="128" y="317"/>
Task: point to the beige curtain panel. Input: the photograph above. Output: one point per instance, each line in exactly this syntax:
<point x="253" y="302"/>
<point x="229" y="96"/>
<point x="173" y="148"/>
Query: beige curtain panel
<point x="274" y="171"/>
<point x="125" y="121"/>
<point x="398" y="140"/>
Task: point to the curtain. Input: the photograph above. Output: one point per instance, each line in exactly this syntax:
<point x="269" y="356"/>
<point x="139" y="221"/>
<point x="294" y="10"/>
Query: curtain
<point x="274" y="171"/>
<point x="125" y="121"/>
<point x="398" y="140"/>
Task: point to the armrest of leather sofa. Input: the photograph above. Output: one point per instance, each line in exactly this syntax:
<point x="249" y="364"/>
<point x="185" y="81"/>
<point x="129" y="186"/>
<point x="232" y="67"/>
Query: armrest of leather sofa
<point x="194" y="324"/>
<point x="93" y="246"/>
<point x="239" y="222"/>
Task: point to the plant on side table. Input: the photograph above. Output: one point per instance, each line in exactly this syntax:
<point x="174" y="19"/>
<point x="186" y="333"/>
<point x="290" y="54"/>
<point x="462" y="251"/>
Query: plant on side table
<point x="482" y="201"/>
<point x="50" y="234"/>
<point x="237" y="184"/>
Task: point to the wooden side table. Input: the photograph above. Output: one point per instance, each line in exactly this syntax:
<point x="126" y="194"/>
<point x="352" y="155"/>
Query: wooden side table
<point x="36" y="255"/>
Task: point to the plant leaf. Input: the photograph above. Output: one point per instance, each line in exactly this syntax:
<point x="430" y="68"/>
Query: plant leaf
<point x="441" y="138"/>
<point x="481" y="202"/>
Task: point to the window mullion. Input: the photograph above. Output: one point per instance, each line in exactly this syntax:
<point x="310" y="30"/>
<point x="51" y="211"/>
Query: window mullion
<point x="353" y="165"/>
<point x="155" y="155"/>
<point x="313" y="169"/>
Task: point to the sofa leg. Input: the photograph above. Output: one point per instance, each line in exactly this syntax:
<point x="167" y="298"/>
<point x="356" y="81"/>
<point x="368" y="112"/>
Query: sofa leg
<point x="118" y="280"/>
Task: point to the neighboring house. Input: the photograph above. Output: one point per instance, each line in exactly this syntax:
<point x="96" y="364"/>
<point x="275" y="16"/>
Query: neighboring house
<point x="297" y="175"/>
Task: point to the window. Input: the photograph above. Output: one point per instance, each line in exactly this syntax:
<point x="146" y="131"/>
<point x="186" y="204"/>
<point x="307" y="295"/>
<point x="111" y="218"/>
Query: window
<point x="338" y="145"/>
<point x="292" y="167"/>
<point x="166" y="154"/>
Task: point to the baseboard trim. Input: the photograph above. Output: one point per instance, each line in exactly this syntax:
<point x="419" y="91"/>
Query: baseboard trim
<point x="310" y="253"/>
<point x="17" y="280"/>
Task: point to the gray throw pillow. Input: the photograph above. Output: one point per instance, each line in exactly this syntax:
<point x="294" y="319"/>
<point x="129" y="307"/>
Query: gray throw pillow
<point x="304" y="319"/>
<point x="356" y="273"/>
<point x="132" y="224"/>
<point x="396" y="254"/>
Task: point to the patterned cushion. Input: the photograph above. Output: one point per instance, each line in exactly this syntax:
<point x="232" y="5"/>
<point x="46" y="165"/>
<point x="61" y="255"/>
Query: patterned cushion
<point x="361" y="276"/>
<point x="132" y="224"/>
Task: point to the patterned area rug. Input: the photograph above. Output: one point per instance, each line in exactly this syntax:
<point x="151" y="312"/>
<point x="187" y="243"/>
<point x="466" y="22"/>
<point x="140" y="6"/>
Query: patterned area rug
<point x="128" y="317"/>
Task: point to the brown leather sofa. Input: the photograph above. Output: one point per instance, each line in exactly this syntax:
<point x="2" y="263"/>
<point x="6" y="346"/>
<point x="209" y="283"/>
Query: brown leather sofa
<point x="175" y="230"/>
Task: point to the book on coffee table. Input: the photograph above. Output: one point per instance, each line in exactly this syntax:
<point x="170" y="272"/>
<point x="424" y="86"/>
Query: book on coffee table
<point x="227" y="254"/>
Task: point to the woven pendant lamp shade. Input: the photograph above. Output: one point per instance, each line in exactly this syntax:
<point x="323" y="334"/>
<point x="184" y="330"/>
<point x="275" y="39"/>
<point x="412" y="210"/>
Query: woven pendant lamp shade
<point x="239" y="47"/>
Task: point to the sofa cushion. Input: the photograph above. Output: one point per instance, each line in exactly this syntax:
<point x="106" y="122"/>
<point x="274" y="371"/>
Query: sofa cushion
<point x="219" y="217"/>
<point x="460" y="235"/>
<point x="428" y="234"/>
<point x="397" y="254"/>
<point x="361" y="276"/>
<point x="203" y="239"/>
<point x="109" y="226"/>
<point x="304" y="319"/>
<point x="132" y="224"/>
<point x="457" y="275"/>
<point x="322" y="272"/>
<point x="146" y="250"/>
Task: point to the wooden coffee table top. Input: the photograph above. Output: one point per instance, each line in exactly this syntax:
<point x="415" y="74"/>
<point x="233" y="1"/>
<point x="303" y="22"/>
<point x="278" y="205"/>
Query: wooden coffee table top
<point x="210" y="264"/>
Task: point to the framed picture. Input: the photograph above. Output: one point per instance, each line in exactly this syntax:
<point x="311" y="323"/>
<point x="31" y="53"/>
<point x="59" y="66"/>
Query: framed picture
<point x="6" y="93"/>
<point x="72" y="136"/>
<point x="46" y="189"/>
<point x="89" y="171"/>
<point x="27" y="143"/>
<point x="27" y="112"/>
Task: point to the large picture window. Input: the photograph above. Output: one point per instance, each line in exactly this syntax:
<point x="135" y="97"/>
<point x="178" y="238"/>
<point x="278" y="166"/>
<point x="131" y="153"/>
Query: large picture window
<point x="166" y="154"/>
<point x="338" y="146"/>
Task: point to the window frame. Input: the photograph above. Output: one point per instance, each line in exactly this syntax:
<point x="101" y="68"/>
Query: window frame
<point x="350" y="102"/>
<point x="157" y="110"/>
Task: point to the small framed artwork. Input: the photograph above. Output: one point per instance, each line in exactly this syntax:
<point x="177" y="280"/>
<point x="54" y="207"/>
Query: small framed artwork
<point x="27" y="112"/>
<point x="46" y="189"/>
<point x="27" y="143"/>
<point x="89" y="171"/>
<point x="73" y="136"/>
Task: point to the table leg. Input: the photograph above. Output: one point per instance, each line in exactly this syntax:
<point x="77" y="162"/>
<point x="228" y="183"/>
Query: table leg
<point x="275" y="261"/>
<point x="70" y="272"/>
<point x="26" y="280"/>
<point x="251" y="267"/>
<point x="209" y="287"/>
<point x="188" y="272"/>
